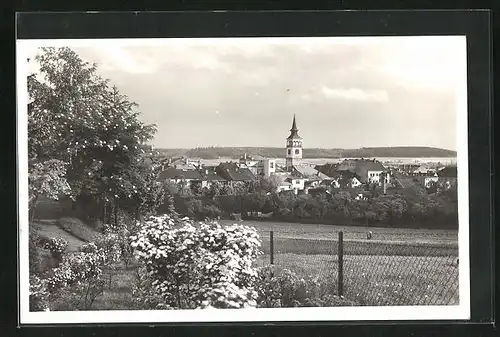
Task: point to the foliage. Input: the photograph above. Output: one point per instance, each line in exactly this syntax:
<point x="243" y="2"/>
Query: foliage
<point x="145" y="295"/>
<point x="56" y="246"/>
<point x="265" y="184"/>
<point x="279" y="288"/>
<point x="199" y="266"/>
<point x="81" y="272"/>
<point x="78" y="228"/>
<point x="38" y="294"/>
<point x="47" y="178"/>
<point x="35" y="259"/>
<point x="76" y="117"/>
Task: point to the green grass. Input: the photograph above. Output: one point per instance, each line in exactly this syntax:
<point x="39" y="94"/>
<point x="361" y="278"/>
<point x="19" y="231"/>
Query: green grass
<point x="78" y="229"/>
<point x="49" y="229"/>
<point x="119" y="296"/>
<point x="382" y="280"/>
<point x="330" y="232"/>
<point x="315" y="246"/>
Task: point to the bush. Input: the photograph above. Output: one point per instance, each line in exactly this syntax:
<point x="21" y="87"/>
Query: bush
<point x="199" y="267"/>
<point x="41" y="259"/>
<point x="78" y="229"/>
<point x="145" y="295"/>
<point x="35" y="259"/>
<point x="38" y="294"/>
<point x="278" y="289"/>
<point x="56" y="246"/>
<point x="79" y="276"/>
<point x="284" y="288"/>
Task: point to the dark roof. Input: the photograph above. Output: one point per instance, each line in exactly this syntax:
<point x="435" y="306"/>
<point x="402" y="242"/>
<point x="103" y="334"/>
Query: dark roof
<point x="294" y="130"/>
<point x="173" y="173"/>
<point x="231" y="171"/>
<point x="448" y="172"/>
<point x="209" y="173"/>
<point x="361" y="167"/>
<point x="328" y="168"/>
<point x="212" y="177"/>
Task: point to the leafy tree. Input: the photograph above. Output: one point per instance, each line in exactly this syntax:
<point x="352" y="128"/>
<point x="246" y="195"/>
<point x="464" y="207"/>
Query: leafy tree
<point x="214" y="190"/>
<point x="264" y="184"/>
<point x="76" y="116"/>
<point x="254" y="202"/>
<point x="47" y="178"/>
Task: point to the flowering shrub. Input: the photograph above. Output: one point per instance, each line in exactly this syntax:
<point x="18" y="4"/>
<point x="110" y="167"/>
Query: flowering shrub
<point x="77" y="267"/>
<point x="199" y="265"/>
<point x="38" y="294"/>
<point x="56" y="245"/>
<point x="145" y="296"/>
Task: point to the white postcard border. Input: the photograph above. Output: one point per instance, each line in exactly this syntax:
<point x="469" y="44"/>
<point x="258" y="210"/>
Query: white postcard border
<point x="379" y="313"/>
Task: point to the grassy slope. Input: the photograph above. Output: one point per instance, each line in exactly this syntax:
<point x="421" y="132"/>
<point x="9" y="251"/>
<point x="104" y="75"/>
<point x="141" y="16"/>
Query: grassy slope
<point x="50" y="229"/>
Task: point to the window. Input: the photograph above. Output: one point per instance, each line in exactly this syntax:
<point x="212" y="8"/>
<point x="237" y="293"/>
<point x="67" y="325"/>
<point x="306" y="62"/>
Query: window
<point x="271" y="164"/>
<point x="289" y="151"/>
<point x="297" y="151"/>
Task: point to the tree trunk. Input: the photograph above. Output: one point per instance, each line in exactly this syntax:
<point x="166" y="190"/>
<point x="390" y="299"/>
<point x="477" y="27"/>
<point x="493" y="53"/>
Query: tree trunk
<point x="104" y="212"/>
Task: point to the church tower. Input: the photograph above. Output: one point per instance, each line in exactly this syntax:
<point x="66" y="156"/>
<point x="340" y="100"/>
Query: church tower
<point x="293" y="147"/>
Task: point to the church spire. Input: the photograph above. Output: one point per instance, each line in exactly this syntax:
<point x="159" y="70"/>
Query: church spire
<point x="294" y="130"/>
<point x="294" y="125"/>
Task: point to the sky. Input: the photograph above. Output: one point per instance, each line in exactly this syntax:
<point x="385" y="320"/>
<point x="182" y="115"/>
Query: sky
<point x="345" y="92"/>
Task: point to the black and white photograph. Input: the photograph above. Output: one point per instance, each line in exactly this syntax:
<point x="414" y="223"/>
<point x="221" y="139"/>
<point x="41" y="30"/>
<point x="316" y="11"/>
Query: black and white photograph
<point x="243" y="179"/>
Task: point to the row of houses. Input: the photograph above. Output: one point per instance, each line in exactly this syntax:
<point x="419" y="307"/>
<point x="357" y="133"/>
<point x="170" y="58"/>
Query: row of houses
<point x="446" y="175"/>
<point x="298" y="178"/>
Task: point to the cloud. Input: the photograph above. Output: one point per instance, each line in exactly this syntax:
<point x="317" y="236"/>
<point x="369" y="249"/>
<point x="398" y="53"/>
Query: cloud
<point x="115" y="58"/>
<point x="355" y="94"/>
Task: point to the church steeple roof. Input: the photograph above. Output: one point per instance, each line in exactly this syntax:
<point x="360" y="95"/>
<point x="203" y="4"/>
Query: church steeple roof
<point x="294" y="130"/>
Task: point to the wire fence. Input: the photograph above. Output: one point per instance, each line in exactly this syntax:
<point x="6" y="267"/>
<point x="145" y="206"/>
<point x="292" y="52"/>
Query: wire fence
<point x="370" y="272"/>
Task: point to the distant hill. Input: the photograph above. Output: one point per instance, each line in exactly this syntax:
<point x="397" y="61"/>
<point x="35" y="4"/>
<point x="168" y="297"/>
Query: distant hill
<point x="278" y="152"/>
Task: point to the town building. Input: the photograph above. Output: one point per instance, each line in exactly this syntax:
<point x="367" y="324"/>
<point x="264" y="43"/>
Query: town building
<point x="366" y="170"/>
<point x="447" y="176"/>
<point x="232" y="172"/>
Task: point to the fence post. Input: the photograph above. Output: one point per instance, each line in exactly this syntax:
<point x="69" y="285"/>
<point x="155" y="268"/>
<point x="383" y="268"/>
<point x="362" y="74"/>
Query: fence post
<point x="341" y="264"/>
<point x="271" y="246"/>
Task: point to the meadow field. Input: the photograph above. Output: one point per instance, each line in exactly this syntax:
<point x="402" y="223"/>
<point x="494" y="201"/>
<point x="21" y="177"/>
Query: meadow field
<point x="330" y="232"/>
<point x="396" y="267"/>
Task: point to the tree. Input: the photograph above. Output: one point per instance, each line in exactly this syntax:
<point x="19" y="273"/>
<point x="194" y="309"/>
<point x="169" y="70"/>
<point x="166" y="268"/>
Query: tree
<point x="47" y="178"/>
<point x="75" y="116"/>
<point x="267" y="184"/>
